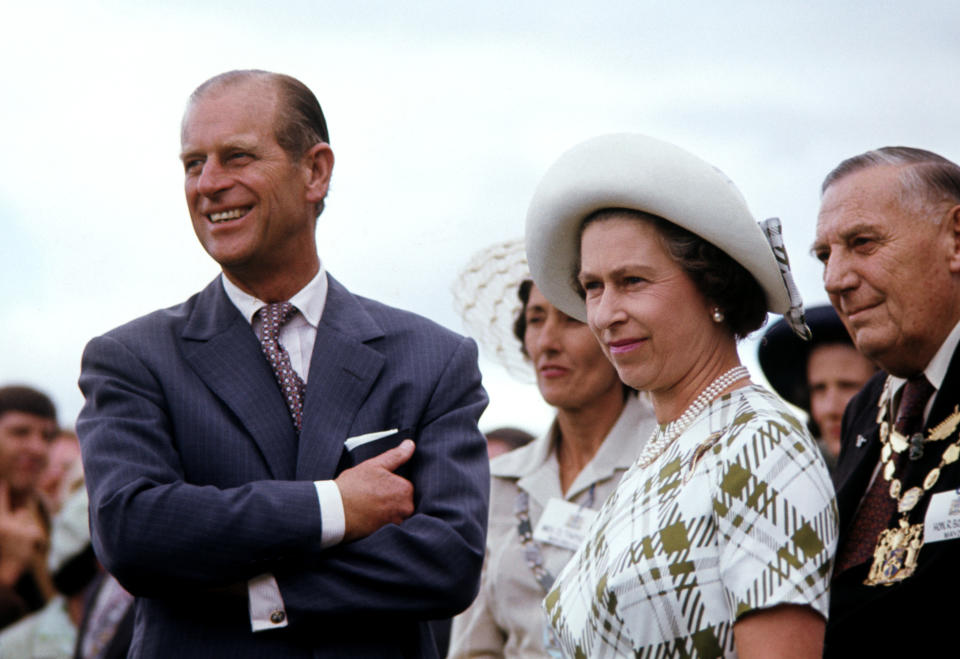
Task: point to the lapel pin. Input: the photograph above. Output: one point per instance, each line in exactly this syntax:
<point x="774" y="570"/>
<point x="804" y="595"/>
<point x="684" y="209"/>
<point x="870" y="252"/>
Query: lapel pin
<point x="861" y="440"/>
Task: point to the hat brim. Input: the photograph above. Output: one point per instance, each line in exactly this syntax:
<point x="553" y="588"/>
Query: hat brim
<point x="645" y="174"/>
<point x="485" y="297"/>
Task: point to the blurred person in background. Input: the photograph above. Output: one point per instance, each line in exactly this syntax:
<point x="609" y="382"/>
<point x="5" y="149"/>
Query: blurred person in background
<point x="819" y="376"/>
<point x="543" y="494"/>
<point x="52" y="632"/>
<point x="718" y="541"/>
<point x="64" y="457"/>
<point x="28" y="424"/>
<point x="503" y="440"/>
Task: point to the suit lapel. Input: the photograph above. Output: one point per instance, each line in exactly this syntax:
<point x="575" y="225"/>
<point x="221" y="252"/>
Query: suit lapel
<point x="861" y="451"/>
<point x="342" y="371"/>
<point x="223" y="350"/>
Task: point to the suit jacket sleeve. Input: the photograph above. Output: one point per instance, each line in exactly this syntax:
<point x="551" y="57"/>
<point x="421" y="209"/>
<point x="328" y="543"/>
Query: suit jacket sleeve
<point x="428" y="566"/>
<point x="155" y="531"/>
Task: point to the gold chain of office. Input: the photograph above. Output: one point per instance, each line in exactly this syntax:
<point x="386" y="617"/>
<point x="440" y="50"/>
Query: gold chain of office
<point x="895" y="556"/>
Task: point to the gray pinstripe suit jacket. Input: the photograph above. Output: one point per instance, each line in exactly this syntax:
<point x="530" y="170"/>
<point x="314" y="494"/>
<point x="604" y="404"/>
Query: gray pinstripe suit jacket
<point x="198" y="481"/>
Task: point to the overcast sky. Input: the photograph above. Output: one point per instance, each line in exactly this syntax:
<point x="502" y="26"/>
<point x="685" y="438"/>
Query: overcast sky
<point x="443" y="117"/>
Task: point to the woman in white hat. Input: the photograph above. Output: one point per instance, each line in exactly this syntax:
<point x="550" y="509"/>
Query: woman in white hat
<point x="542" y="495"/>
<point x="718" y="541"/>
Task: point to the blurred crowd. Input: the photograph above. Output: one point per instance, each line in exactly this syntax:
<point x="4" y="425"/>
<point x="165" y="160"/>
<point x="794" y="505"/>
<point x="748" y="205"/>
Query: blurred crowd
<point x="55" y="598"/>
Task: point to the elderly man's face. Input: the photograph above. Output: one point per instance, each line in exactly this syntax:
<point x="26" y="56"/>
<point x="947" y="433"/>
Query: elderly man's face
<point x="890" y="271"/>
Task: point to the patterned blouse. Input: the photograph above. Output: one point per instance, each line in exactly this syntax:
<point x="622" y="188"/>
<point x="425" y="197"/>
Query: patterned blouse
<point x="737" y="514"/>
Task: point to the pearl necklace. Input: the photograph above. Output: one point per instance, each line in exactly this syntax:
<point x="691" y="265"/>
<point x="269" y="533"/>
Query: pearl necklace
<point x="657" y="445"/>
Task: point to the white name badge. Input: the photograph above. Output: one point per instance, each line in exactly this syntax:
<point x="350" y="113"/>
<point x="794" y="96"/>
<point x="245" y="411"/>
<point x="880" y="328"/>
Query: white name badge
<point x="563" y="524"/>
<point x="942" y="521"/>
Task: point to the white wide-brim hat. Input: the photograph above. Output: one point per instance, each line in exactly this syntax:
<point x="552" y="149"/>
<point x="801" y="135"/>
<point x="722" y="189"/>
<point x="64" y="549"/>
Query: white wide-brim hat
<point x="642" y="173"/>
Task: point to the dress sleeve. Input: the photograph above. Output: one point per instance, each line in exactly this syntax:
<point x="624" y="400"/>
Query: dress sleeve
<point x="776" y="514"/>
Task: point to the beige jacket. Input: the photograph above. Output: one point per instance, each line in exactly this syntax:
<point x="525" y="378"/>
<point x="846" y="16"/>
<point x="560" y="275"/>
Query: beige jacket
<point x="507" y="619"/>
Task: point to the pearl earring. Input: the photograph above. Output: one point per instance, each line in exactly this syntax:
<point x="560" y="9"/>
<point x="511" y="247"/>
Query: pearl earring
<point x="717" y="315"/>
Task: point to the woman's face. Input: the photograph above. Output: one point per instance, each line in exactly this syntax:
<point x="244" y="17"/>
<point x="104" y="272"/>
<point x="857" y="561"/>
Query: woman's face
<point x="651" y="320"/>
<point x="835" y="372"/>
<point x="572" y="372"/>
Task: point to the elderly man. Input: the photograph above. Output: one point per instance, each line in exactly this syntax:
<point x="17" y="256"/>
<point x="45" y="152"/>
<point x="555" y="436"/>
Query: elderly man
<point x="888" y="235"/>
<point x="240" y="448"/>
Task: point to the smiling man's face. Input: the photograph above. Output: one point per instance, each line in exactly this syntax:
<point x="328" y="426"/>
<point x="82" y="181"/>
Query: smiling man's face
<point x="251" y="204"/>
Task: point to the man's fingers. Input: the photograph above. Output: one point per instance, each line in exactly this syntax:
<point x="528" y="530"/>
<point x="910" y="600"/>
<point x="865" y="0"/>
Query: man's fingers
<point x="395" y="457"/>
<point x="373" y="496"/>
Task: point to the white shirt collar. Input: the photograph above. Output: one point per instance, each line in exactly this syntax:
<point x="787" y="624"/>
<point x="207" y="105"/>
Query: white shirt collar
<point x="936" y="370"/>
<point x="309" y="300"/>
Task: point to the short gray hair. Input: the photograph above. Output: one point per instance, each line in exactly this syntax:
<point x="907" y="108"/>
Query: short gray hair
<point x="927" y="180"/>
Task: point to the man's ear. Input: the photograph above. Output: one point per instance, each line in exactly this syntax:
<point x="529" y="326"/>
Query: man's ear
<point x="952" y="221"/>
<point x="319" y="164"/>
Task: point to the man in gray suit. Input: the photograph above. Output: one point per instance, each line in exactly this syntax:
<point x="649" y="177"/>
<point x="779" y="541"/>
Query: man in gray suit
<point x="247" y="456"/>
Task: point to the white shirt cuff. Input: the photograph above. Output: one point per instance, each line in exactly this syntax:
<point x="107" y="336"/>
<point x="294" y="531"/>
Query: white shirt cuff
<point x="266" y="603"/>
<point x="332" y="517"/>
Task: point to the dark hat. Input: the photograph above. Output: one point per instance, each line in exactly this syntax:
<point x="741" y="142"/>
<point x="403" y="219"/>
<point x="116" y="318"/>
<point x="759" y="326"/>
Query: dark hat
<point x="783" y="355"/>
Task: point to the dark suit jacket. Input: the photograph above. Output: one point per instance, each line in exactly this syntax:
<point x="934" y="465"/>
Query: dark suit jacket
<point x="198" y="481"/>
<point x="917" y="617"/>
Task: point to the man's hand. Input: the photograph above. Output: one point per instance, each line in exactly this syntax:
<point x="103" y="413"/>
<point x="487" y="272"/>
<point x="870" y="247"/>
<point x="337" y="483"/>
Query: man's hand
<point x="22" y="538"/>
<point x="374" y="496"/>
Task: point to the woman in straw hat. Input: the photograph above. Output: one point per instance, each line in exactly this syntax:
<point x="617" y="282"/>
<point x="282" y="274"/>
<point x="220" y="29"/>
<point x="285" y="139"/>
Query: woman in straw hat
<point x="718" y="541"/>
<point x="543" y="494"/>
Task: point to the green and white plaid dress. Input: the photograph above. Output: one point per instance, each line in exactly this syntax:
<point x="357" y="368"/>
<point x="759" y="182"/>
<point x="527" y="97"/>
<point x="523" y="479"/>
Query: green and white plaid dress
<point x="737" y="514"/>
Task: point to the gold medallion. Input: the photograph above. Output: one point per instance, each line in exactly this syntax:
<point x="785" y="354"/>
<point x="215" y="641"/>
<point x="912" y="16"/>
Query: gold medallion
<point x="898" y="442"/>
<point x="909" y="499"/>
<point x="931" y="478"/>
<point x="951" y="454"/>
<point x="895" y="557"/>
<point x="888" y="470"/>
<point x="884" y="400"/>
<point x="895" y="488"/>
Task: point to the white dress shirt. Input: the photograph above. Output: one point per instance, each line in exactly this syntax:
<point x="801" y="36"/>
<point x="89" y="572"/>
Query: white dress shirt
<point x="935" y="371"/>
<point x="297" y="337"/>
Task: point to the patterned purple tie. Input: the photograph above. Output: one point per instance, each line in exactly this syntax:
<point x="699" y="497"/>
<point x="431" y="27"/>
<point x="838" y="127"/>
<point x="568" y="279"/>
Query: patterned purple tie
<point x="878" y="506"/>
<point x="273" y="316"/>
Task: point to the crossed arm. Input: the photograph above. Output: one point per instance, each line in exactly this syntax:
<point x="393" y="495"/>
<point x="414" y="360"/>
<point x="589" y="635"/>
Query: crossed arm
<point x="416" y="545"/>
